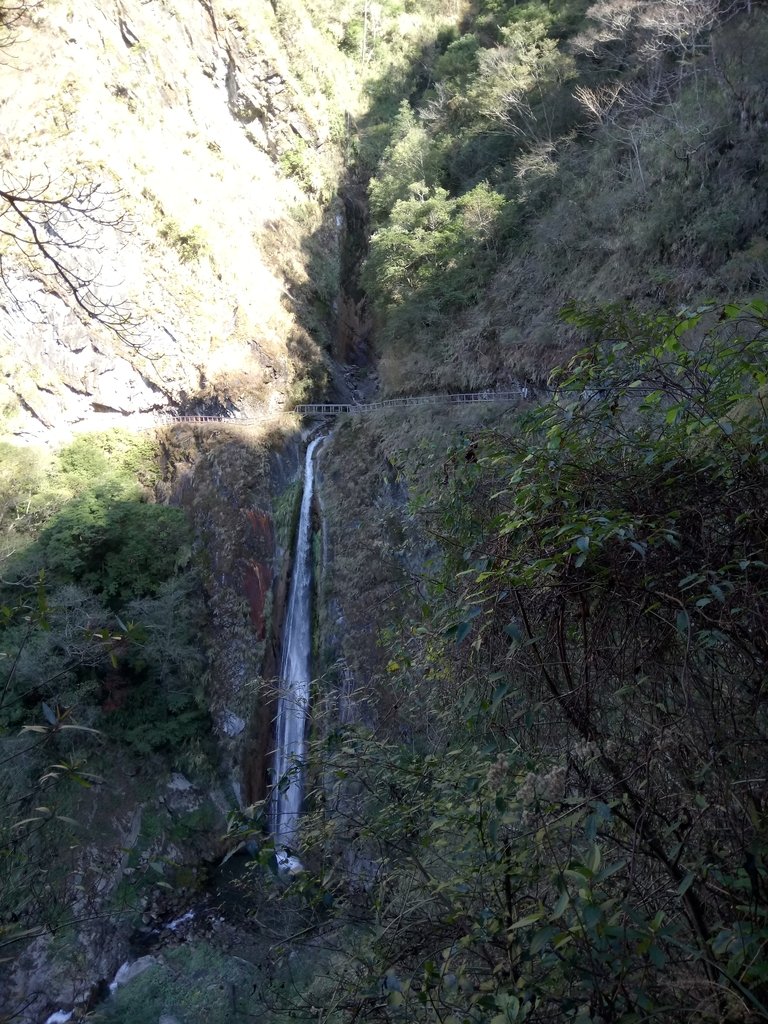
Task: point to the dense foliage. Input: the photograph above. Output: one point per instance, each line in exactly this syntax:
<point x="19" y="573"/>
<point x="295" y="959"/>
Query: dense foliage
<point x="115" y="629"/>
<point x="100" y="621"/>
<point x="564" y="816"/>
<point x="609" y="149"/>
<point x="555" y="808"/>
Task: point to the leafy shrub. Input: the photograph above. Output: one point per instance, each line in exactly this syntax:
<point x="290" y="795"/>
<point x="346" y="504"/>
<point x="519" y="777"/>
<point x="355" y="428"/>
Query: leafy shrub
<point x="117" y="453"/>
<point x="458" y="64"/>
<point x="116" y="637"/>
<point x="196" y="982"/>
<point x="435" y="247"/>
<point x="122" y="550"/>
<point x="566" y="820"/>
<point x="410" y="157"/>
<point x="190" y="244"/>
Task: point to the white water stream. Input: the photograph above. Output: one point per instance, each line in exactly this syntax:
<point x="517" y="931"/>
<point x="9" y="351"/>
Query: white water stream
<point x="295" y="675"/>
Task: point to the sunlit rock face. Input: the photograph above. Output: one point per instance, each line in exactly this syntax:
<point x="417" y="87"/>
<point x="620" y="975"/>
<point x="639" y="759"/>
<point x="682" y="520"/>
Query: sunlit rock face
<point x="179" y="115"/>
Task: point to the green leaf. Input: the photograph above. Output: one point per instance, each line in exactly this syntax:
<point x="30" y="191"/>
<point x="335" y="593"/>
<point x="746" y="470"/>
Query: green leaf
<point x="686" y="883"/>
<point x="657" y="955"/>
<point x="717" y="592"/>
<point x="594" y="858"/>
<point x="611" y="869"/>
<point x="462" y="631"/>
<point x="682" y="622"/>
<point x="499" y="694"/>
<point x="542" y="937"/>
<point x="686" y="325"/>
<point x="603" y="810"/>
<point x="591" y="916"/>
<point x="523" y="922"/>
<point x="560" y="906"/>
<point x="687" y="581"/>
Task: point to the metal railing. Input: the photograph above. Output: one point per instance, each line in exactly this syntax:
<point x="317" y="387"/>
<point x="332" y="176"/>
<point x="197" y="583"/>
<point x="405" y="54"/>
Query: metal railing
<point x="152" y="420"/>
<point x="234" y="420"/>
<point x="330" y="409"/>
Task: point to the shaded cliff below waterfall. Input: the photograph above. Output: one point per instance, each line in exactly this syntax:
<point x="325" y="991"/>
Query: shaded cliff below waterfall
<point x="239" y="488"/>
<point x="377" y="552"/>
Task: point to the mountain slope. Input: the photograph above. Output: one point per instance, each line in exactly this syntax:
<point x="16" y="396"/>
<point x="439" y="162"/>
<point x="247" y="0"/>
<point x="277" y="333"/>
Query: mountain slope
<point x="185" y="117"/>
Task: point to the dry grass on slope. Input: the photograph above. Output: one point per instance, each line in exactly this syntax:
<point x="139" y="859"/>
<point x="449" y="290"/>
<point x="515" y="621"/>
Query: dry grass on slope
<point x="660" y="207"/>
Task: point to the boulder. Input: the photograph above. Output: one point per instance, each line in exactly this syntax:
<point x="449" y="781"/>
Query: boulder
<point x="129" y="971"/>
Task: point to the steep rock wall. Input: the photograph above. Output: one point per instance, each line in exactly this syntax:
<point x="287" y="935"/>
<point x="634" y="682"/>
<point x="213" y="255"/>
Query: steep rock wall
<point x="230" y="481"/>
<point x="179" y="113"/>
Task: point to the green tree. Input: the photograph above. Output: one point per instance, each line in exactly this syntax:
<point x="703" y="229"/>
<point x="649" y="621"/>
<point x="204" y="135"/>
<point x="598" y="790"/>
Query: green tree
<point x="435" y="248"/>
<point x="411" y="157"/>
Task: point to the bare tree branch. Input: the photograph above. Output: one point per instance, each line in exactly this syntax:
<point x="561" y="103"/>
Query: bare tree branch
<point x="56" y="230"/>
<point x="12" y="17"/>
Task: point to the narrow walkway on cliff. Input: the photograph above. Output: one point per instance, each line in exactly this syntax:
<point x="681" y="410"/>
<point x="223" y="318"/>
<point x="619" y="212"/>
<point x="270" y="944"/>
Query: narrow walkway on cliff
<point x="149" y="420"/>
<point x="329" y="409"/>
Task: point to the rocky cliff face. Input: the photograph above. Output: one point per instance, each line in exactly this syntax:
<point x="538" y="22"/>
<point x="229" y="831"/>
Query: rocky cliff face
<point x="231" y="481"/>
<point x="186" y="117"/>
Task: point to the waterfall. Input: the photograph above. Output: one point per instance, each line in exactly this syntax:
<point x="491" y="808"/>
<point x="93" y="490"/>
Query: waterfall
<point x="295" y="674"/>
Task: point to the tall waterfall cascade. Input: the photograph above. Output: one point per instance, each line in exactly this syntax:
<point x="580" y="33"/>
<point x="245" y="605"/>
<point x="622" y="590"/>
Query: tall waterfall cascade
<point x="295" y="676"/>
